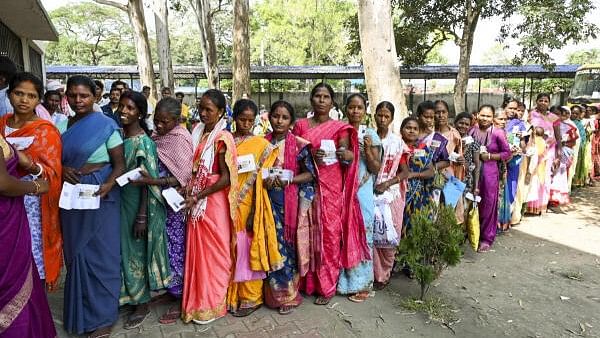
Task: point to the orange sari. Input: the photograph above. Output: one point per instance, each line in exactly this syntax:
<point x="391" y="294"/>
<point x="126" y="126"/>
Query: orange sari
<point x="46" y="150"/>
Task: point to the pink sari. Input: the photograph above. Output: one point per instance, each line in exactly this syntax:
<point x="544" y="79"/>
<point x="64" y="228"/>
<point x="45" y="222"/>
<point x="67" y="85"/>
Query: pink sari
<point x="340" y="238"/>
<point x="208" y="263"/>
<point x="547" y="122"/>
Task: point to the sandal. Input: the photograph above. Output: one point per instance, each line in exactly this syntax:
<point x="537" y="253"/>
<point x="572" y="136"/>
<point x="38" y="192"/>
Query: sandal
<point x="135" y="320"/>
<point x="378" y="286"/>
<point x="359" y="297"/>
<point x="286" y="309"/>
<point x="483" y="248"/>
<point x="243" y="312"/>
<point x="103" y="332"/>
<point x="171" y="316"/>
<point x="322" y="300"/>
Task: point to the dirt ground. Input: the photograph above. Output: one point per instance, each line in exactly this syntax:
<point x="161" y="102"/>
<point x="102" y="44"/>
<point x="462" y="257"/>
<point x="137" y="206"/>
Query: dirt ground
<point x="540" y="280"/>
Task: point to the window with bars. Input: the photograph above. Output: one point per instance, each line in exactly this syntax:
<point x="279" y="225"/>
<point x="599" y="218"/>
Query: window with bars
<point x="35" y="62"/>
<point x="10" y="46"/>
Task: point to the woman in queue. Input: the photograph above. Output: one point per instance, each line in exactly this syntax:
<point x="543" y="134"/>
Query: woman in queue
<point x="44" y="152"/>
<point x="144" y="260"/>
<point x="212" y="202"/>
<point x="357" y="281"/>
<point x="92" y="154"/>
<point x="543" y="118"/>
<point x="494" y="148"/>
<point x="339" y="239"/>
<point x="291" y="202"/>
<point x="390" y="190"/>
<point x="254" y="244"/>
<point x="175" y="153"/>
<point x="23" y="304"/>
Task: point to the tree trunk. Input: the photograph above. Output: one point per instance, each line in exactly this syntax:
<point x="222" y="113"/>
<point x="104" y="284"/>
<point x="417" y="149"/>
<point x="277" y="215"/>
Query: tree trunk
<point x="207" y="41"/>
<point x="380" y="61"/>
<point x="241" y="50"/>
<point x="135" y="12"/>
<point x="466" y="46"/>
<point x="163" y="43"/>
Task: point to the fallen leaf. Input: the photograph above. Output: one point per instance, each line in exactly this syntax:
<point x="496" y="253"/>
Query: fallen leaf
<point x="564" y="298"/>
<point x="521" y="304"/>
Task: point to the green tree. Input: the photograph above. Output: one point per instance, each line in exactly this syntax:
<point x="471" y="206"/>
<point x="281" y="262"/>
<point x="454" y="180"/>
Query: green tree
<point x="105" y="40"/>
<point x="584" y="57"/>
<point x="302" y="32"/>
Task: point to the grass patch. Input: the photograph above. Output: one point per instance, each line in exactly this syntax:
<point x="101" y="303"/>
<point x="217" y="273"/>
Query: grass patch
<point x="435" y="307"/>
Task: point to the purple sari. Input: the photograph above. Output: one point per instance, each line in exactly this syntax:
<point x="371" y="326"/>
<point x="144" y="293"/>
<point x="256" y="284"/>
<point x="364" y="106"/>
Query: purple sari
<point x="489" y="180"/>
<point x="24" y="310"/>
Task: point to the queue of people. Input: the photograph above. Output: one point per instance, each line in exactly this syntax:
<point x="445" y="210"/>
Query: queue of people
<point x="317" y="206"/>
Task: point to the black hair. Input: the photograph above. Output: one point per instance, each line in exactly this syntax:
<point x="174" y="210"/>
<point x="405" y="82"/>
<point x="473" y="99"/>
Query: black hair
<point x="164" y="88"/>
<point x="360" y="96"/>
<point x="540" y="95"/>
<point x="509" y="100"/>
<point x="425" y="105"/>
<point x="408" y="119"/>
<point x="442" y="102"/>
<point x="555" y="109"/>
<point x="286" y="105"/>
<point x="179" y="94"/>
<point x="576" y="106"/>
<point x="386" y="104"/>
<point x="593" y="108"/>
<point x="141" y="104"/>
<point x="170" y="105"/>
<point x="463" y="115"/>
<point x="49" y="93"/>
<point x="242" y="105"/>
<point x="99" y="84"/>
<point x="217" y="98"/>
<point x="492" y="108"/>
<point x="114" y="89"/>
<point x="145" y="87"/>
<point x="326" y="86"/>
<point x="118" y="82"/>
<point x="7" y="68"/>
<point x="27" y="77"/>
<point x="81" y="80"/>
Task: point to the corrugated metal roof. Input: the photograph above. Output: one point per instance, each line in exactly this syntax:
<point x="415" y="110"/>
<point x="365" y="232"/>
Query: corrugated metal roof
<point x="327" y="72"/>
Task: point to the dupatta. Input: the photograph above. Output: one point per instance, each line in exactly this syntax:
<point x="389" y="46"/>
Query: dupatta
<point x="175" y="151"/>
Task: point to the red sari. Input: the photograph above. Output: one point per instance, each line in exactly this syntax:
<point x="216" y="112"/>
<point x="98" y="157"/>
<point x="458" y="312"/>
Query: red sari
<point x="339" y="239"/>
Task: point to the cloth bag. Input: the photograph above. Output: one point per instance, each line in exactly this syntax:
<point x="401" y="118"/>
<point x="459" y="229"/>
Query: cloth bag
<point x="384" y="232"/>
<point x="472" y="223"/>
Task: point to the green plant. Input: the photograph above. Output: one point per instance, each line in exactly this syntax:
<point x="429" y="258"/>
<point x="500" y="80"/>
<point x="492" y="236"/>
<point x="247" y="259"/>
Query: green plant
<point x="433" y="243"/>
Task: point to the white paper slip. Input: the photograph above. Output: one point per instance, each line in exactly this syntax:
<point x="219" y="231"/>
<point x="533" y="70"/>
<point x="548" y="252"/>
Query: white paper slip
<point x="79" y="196"/>
<point x="283" y="174"/>
<point x="174" y="199"/>
<point x="246" y="163"/>
<point x="130" y="175"/>
<point x="362" y="131"/>
<point x="420" y="153"/>
<point x="468" y="140"/>
<point x="435" y="144"/>
<point x="329" y="147"/>
<point x="21" y="143"/>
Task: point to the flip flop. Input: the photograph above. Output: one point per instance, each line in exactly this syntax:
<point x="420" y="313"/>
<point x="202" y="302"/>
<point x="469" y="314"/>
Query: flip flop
<point x="171" y="316"/>
<point x="134" y="321"/>
<point x="359" y="297"/>
<point x="243" y="312"/>
<point x="286" y="309"/>
<point x="322" y="300"/>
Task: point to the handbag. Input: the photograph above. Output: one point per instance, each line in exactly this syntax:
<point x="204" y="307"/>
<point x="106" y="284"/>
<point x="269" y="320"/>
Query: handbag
<point x="472" y="222"/>
<point x="384" y="232"/>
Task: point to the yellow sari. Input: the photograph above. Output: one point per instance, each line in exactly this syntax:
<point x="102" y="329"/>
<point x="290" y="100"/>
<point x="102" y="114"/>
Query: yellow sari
<point x="254" y="243"/>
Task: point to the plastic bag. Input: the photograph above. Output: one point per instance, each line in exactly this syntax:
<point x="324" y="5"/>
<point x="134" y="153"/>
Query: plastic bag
<point x="384" y="232"/>
<point x="473" y="229"/>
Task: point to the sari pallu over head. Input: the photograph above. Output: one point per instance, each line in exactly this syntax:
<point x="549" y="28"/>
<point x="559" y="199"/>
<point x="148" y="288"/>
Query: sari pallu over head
<point x="175" y="151"/>
<point x="354" y="240"/>
<point x="46" y="150"/>
<point x="293" y="146"/>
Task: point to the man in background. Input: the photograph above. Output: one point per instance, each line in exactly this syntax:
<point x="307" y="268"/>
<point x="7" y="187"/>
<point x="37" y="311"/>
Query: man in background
<point x="7" y="71"/>
<point x="110" y="109"/>
<point x="185" y="110"/>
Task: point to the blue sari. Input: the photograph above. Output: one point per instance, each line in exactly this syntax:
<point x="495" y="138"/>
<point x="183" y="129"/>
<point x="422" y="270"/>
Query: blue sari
<point x="360" y="278"/>
<point x="91" y="237"/>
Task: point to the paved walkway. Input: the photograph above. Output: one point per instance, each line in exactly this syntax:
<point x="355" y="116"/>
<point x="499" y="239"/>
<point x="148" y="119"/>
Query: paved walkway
<point x="520" y="289"/>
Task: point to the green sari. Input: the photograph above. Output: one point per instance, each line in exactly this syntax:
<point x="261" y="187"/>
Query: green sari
<point x="144" y="262"/>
